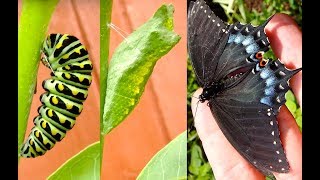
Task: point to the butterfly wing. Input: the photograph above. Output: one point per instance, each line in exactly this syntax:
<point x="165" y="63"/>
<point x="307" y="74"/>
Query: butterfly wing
<point x="216" y="49"/>
<point x="246" y="114"/>
<point x="206" y="40"/>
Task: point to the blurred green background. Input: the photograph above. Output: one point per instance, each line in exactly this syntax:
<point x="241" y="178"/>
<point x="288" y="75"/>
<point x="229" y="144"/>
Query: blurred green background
<point x="246" y="11"/>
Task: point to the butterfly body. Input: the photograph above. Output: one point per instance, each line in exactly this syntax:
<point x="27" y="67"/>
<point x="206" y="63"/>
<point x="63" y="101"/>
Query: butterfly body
<point x="243" y="90"/>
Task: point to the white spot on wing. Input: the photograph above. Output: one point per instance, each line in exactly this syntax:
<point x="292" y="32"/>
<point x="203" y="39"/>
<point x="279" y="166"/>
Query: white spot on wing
<point x="269" y="114"/>
<point x="218" y="25"/>
<point x="201" y="7"/>
<point x="205" y="11"/>
<point x="280" y="160"/>
<point x="272" y="133"/>
<point x="277" y="152"/>
<point x="258" y="33"/>
<point x="274" y="142"/>
<point x="281" y="87"/>
<point x="282" y="73"/>
<point x="209" y="16"/>
<point x="282" y="169"/>
<point x="271" y="123"/>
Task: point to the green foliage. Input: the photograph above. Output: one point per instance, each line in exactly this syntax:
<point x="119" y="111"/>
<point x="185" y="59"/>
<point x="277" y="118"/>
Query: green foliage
<point x="169" y="163"/>
<point x="84" y="165"/>
<point x="132" y="64"/>
<point x="34" y="20"/>
<point x="246" y="11"/>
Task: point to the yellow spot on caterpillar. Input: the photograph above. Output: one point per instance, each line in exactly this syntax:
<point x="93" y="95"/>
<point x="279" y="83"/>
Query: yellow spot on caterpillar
<point x="31" y="142"/>
<point x="38" y="149"/>
<point x="66" y="56"/>
<point x="54" y="132"/>
<point x="69" y="106"/>
<point x="37" y="134"/>
<point x="50" y="113"/>
<point x="67" y="67"/>
<point x="68" y="76"/>
<point x="55" y="100"/>
<point x="62" y="120"/>
<point x="75" y="92"/>
<point x="81" y="78"/>
<point x="78" y="49"/>
<point x="60" y="87"/>
<point x="43" y="124"/>
<point x="81" y="66"/>
<point x="59" y="45"/>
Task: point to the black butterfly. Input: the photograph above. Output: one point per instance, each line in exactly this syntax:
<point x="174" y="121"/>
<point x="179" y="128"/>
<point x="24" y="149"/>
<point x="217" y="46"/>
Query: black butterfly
<point x="244" y="91"/>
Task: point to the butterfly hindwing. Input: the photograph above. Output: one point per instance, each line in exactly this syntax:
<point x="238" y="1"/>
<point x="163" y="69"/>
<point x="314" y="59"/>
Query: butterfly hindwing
<point x="247" y="114"/>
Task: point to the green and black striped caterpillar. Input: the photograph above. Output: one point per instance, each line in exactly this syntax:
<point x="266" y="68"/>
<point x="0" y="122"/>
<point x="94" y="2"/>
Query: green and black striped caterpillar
<point x="66" y="91"/>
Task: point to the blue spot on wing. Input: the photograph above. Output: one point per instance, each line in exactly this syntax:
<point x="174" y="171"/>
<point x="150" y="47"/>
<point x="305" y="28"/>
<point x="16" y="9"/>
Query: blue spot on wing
<point x="252" y="48"/>
<point x="231" y="38"/>
<point x="266" y="100"/>
<point x="265" y="73"/>
<point x="248" y="40"/>
<point x="271" y="81"/>
<point x="269" y="91"/>
<point x="239" y="38"/>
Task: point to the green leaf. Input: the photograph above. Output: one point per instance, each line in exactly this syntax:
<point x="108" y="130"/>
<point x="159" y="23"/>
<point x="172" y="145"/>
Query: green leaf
<point x="290" y="96"/>
<point x="169" y="163"/>
<point x="292" y="106"/>
<point x="84" y="165"/>
<point x="299" y="122"/>
<point x="204" y="169"/>
<point x="132" y="64"/>
<point x="34" y="20"/>
<point x="196" y="159"/>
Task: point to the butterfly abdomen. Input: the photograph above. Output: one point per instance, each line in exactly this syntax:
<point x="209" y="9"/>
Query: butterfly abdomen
<point x="66" y="91"/>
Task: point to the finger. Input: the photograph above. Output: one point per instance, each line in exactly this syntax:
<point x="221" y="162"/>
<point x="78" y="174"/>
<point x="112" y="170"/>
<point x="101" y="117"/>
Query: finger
<point x="292" y="143"/>
<point x="225" y="161"/>
<point x="286" y="41"/>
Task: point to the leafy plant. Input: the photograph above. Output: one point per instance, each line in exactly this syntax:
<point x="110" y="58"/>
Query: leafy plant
<point x="130" y="68"/>
<point x="169" y="163"/>
<point x="132" y="63"/>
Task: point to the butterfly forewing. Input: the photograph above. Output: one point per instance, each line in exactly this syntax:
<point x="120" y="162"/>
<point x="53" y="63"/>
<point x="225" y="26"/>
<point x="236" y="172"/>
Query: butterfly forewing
<point x="206" y="40"/>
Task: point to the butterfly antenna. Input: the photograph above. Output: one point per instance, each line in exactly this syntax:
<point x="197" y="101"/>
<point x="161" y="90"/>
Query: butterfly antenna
<point x="121" y="32"/>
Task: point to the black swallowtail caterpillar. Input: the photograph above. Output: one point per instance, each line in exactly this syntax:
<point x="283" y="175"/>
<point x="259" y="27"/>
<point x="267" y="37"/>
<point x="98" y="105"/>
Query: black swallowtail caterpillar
<point x="66" y="91"/>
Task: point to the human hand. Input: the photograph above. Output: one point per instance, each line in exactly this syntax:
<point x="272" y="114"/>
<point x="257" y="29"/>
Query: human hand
<point x="286" y="41"/>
